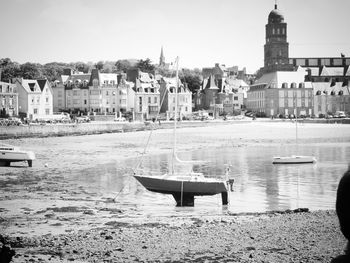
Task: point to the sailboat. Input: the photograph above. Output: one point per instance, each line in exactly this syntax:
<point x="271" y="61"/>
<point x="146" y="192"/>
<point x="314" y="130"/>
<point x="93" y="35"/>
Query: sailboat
<point x="294" y="159"/>
<point x="185" y="186"/>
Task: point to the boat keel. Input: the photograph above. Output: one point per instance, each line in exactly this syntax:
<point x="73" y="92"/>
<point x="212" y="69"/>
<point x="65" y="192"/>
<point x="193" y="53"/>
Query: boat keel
<point x="184" y="199"/>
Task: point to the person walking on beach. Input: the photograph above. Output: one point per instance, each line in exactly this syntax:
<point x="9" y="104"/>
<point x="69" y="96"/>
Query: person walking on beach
<point x="343" y="212"/>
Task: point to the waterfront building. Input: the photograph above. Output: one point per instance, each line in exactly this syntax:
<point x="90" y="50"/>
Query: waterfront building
<point x="147" y="95"/>
<point x="167" y="96"/>
<point x="35" y="97"/>
<point x="126" y="94"/>
<point x="221" y="96"/>
<point x="281" y="93"/>
<point x="8" y="100"/>
<point x="77" y="92"/>
<point x="103" y="92"/>
<point x="330" y="97"/>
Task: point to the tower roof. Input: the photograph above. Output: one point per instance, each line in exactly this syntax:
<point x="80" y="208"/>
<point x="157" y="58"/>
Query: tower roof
<point x="275" y="16"/>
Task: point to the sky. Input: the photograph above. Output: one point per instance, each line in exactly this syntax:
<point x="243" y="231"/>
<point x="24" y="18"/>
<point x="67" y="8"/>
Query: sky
<point x="200" y="32"/>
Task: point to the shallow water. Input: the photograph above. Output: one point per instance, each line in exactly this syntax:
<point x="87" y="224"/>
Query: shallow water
<point x="259" y="185"/>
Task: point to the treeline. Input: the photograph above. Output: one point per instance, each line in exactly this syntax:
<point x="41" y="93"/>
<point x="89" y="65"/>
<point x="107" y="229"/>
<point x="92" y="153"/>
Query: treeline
<point x="53" y="70"/>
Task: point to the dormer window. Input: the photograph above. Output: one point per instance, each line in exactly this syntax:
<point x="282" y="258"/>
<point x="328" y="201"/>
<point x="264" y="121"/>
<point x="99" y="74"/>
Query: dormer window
<point x="95" y="82"/>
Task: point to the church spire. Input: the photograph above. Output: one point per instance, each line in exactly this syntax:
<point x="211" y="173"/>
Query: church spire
<point x="162" y="58"/>
<point x="275" y="4"/>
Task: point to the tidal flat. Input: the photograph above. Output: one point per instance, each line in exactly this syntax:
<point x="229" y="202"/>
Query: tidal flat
<point x="58" y="211"/>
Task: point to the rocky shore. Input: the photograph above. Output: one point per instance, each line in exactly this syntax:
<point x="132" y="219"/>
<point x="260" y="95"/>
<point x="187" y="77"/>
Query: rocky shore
<point x="289" y="236"/>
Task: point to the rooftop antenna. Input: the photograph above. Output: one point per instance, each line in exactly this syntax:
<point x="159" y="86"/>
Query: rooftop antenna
<point x="275" y="4"/>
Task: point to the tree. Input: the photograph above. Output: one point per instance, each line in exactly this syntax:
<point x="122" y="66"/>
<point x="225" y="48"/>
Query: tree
<point x="123" y="65"/>
<point x="52" y="71"/>
<point x="31" y="71"/>
<point x="99" y="65"/>
<point x="193" y="79"/>
<point x="146" y="65"/>
<point x="9" y="69"/>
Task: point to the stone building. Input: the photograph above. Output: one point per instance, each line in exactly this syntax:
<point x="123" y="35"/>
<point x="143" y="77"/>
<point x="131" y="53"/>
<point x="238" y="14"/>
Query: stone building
<point x="167" y="95"/>
<point x="8" y="100"/>
<point x="281" y="93"/>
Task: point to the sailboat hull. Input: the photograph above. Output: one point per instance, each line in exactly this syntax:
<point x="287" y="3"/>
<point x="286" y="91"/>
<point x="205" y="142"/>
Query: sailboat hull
<point x="294" y="159"/>
<point x="176" y="185"/>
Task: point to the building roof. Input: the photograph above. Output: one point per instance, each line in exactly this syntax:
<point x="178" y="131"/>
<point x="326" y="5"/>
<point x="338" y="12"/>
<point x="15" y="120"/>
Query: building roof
<point x="275" y="16"/>
<point x="79" y="77"/>
<point x="332" y="71"/>
<point x="210" y="83"/>
<point x="277" y="78"/>
<point x="30" y="85"/>
<point x="326" y="88"/>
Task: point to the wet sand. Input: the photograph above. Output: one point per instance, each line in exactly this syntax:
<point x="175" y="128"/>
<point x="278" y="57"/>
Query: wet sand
<point x="44" y="216"/>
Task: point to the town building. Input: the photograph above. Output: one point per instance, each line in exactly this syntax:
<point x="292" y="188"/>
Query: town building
<point x="330" y="97"/>
<point x="147" y="95"/>
<point x="35" y="97"/>
<point x="77" y="92"/>
<point x="281" y="93"/>
<point x="221" y="96"/>
<point x="167" y="95"/>
<point x="8" y="100"/>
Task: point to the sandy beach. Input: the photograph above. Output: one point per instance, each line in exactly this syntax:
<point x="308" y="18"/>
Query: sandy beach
<point x="42" y="222"/>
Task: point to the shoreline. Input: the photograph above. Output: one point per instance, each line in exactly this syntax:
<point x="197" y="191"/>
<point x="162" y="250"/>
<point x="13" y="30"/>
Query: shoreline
<point x="276" y="236"/>
<point x="93" y="128"/>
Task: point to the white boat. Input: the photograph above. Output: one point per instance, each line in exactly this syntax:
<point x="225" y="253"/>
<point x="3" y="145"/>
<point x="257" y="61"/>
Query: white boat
<point x="184" y="187"/>
<point x="9" y="154"/>
<point x="294" y="159"/>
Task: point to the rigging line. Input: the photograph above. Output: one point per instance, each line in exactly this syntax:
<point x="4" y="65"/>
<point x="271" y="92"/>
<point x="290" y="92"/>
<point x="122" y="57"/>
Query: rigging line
<point x="152" y="128"/>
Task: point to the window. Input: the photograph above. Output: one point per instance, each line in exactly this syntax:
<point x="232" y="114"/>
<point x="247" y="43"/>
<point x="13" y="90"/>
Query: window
<point x="235" y="98"/>
<point x="47" y="99"/>
<point x="278" y="31"/>
<point x="149" y="99"/>
<point x="10" y="101"/>
<point x="155" y="99"/>
<point x="85" y="102"/>
<point x="35" y="111"/>
<point x="47" y="111"/>
<point x="273" y="31"/>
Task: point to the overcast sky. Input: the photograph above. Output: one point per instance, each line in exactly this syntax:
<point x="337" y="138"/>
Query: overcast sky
<point x="200" y="32"/>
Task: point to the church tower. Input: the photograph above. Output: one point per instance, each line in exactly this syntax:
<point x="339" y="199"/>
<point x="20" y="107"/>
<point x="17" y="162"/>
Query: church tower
<point x="276" y="46"/>
<point x="162" y="59"/>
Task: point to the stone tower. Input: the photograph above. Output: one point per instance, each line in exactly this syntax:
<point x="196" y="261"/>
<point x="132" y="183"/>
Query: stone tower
<point x="162" y="59"/>
<point x="276" y="47"/>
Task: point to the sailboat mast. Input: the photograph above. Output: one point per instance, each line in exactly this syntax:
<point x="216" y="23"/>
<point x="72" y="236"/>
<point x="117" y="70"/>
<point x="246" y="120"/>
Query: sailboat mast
<point x="296" y="127"/>
<point x="175" y="114"/>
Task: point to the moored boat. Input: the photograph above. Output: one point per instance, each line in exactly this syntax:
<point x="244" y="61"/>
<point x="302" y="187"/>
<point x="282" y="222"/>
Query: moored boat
<point x="9" y="154"/>
<point x="184" y="187"/>
<point x="293" y="159"/>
